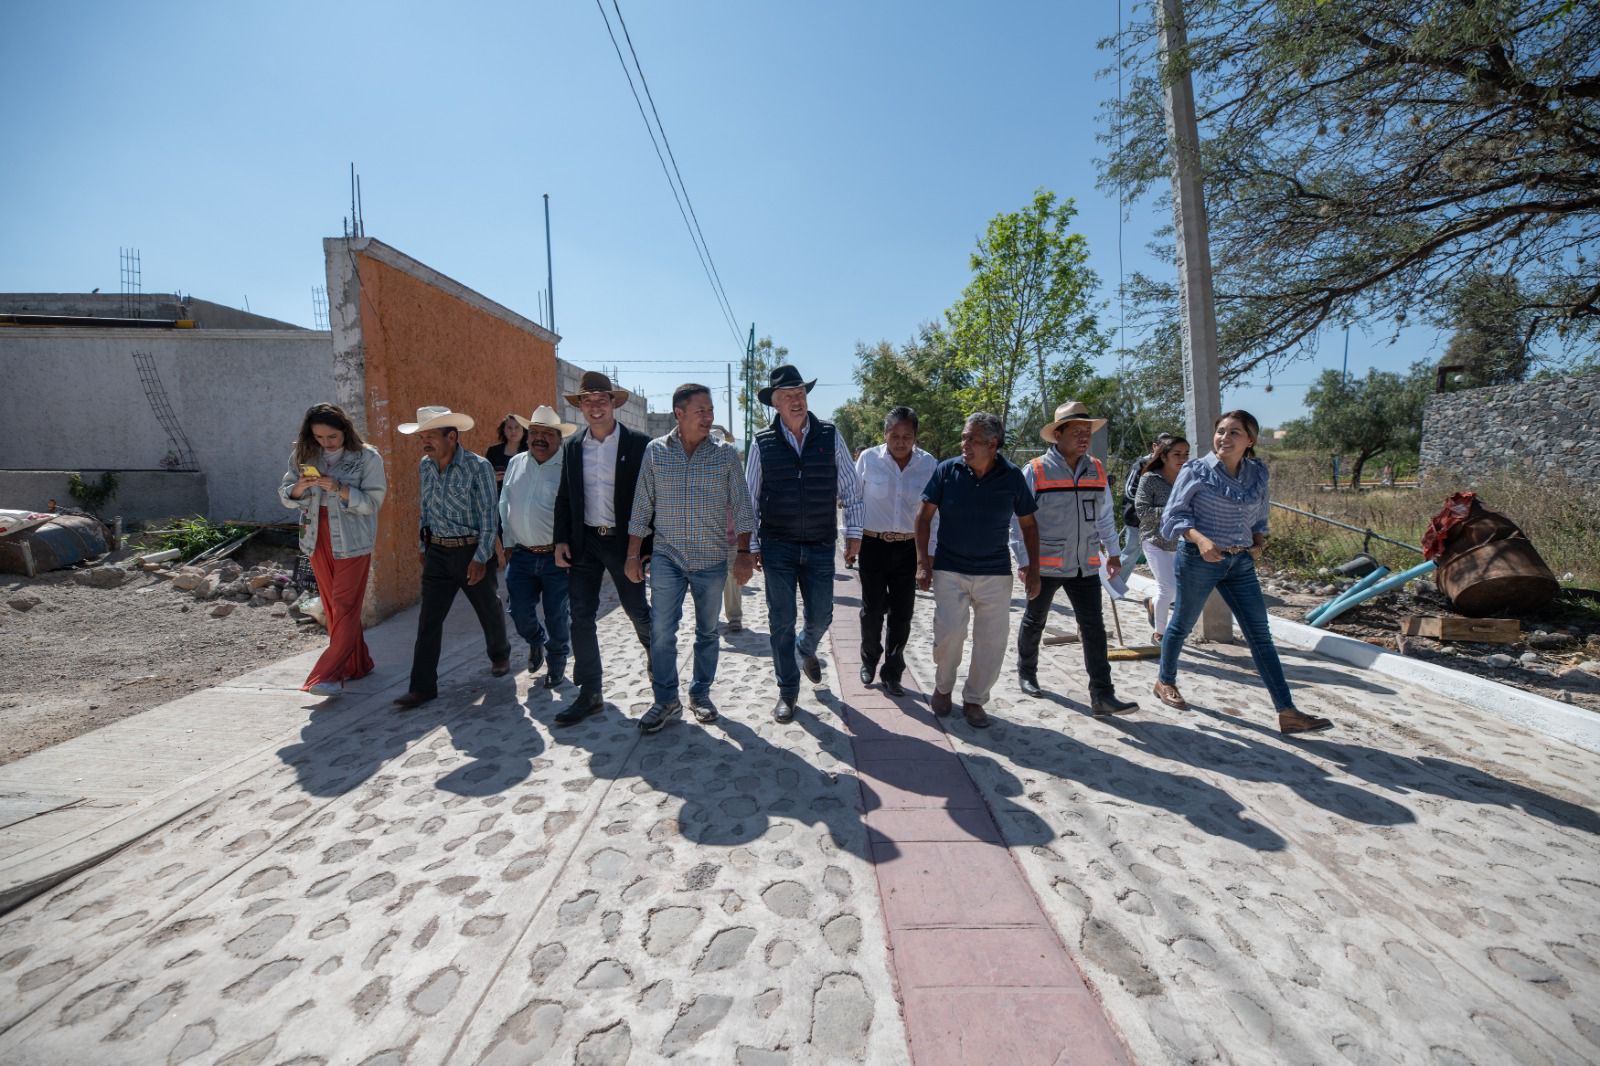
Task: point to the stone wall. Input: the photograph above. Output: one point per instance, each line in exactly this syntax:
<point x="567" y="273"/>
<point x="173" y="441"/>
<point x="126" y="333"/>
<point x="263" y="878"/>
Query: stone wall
<point x="1540" y="426"/>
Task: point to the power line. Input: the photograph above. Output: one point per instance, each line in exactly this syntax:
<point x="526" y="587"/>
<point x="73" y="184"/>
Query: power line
<point x="702" y="251"/>
<point x="722" y="292"/>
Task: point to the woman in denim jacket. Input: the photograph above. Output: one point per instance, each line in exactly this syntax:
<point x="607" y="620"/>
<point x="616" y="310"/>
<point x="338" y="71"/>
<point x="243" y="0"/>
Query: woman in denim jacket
<point x="1218" y="515"/>
<point x="337" y="484"/>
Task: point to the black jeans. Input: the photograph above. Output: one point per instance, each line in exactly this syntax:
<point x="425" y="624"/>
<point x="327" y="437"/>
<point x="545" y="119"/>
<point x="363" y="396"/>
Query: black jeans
<point x="888" y="586"/>
<point x="444" y="573"/>
<point x="600" y="556"/>
<point x="1084" y="595"/>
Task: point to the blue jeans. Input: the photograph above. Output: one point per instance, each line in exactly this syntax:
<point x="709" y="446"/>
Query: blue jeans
<point x="789" y="566"/>
<point x="668" y="584"/>
<point x="1235" y="580"/>
<point x="530" y="578"/>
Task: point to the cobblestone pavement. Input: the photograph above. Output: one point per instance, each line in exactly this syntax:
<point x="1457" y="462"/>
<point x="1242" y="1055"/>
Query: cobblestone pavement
<point x="465" y="884"/>
<point x="1417" y="886"/>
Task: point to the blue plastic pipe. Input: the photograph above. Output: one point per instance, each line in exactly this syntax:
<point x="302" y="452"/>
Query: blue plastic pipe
<point x="1365" y="583"/>
<point x="1366" y="594"/>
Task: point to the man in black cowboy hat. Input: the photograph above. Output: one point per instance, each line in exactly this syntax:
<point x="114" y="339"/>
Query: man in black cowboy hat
<point x="799" y="472"/>
<point x="600" y="469"/>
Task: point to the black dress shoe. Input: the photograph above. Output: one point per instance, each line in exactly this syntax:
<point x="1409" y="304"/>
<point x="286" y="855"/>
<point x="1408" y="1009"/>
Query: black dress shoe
<point x="811" y="666"/>
<point x="500" y="667"/>
<point x="413" y="699"/>
<point x="892" y="686"/>
<point x="586" y="704"/>
<point x="866" y="673"/>
<point x="1030" y="686"/>
<point x="557" y="672"/>
<point x="535" y="658"/>
<point x="1104" y="706"/>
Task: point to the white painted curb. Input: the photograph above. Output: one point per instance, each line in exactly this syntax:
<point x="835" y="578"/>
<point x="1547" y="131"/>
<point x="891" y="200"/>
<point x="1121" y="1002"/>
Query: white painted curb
<point x="1575" y="725"/>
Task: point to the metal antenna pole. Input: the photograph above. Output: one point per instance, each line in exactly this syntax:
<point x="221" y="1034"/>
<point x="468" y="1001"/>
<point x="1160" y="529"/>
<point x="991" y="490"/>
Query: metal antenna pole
<point x="549" y="267"/>
<point x="361" y="214"/>
<point x="355" y="216"/>
<point x="1202" y="394"/>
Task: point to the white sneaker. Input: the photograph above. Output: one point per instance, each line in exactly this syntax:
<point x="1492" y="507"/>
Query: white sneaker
<point x="326" y="689"/>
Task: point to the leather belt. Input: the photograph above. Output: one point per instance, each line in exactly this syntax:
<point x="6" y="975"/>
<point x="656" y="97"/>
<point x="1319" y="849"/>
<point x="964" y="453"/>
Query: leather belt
<point x="1233" y="551"/>
<point x="452" y="542"/>
<point x="892" y="538"/>
<point x="535" y="549"/>
<point x="605" y="531"/>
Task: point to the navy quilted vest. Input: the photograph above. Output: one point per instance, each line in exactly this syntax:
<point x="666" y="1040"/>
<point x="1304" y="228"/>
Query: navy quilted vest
<point x="798" y="492"/>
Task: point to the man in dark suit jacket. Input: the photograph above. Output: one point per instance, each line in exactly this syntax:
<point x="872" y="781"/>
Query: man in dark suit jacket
<point x="600" y="468"/>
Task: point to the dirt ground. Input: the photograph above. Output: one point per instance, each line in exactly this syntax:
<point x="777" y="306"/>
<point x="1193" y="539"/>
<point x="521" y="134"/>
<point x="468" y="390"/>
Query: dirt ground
<point x="1378" y="622"/>
<point x="86" y="657"/>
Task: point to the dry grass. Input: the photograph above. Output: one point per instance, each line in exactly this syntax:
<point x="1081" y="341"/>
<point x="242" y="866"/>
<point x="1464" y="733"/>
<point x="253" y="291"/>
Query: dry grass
<point x="1560" y="516"/>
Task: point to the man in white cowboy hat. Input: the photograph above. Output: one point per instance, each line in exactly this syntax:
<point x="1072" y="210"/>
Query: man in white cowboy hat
<point x="687" y="489"/>
<point x="800" y="471"/>
<point x="600" y="469"/>
<point x="1075" y="528"/>
<point x="527" y="529"/>
<point x="457" y="523"/>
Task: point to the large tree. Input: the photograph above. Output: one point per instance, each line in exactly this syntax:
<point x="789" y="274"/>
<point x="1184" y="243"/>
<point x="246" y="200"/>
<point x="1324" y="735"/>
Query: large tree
<point x="1491" y="339"/>
<point x="1023" y="328"/>
<point x="921" y="374"/>
<point x="1368" y="416"/>
<point x="1362" y="158"/>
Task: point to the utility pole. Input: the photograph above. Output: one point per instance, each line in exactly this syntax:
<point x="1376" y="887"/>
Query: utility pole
<point x="1202" y="394"/>
<point x="749" y="386"/>
<point x="549" y="268"/>
<point x="730" y="399"/>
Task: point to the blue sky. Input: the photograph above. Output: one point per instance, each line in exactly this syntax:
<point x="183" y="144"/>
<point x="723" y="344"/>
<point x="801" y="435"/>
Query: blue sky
<point x="842" y="158"/>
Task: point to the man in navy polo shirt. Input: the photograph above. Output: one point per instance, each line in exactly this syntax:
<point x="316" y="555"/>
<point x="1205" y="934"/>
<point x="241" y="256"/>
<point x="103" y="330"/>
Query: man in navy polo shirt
<point x="976" y="497"/>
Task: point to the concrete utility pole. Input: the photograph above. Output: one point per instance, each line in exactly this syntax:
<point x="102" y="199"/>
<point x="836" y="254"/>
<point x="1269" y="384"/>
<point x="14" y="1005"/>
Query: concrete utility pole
<point x="1202" y="396"/>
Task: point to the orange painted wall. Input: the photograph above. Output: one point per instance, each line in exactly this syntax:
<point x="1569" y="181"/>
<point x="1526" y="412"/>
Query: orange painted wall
<point x="426" y="346"/>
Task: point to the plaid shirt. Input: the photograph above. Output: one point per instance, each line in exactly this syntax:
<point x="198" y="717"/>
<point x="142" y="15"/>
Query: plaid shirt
<point x="459" y="501"/>
<point x="688" y="499"/>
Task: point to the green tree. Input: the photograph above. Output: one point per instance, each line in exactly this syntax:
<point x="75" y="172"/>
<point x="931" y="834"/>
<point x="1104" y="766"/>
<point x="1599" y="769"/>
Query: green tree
<point x="921" y="374"/>
<point x="1491" y="339"/>
<point x="1023" y="329"/>
<point x="1363" y="157"/>
<point x="1368" y="416"/>
<point x="767" y="358"/>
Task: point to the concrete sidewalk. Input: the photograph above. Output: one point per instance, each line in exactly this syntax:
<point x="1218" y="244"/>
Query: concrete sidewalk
<point x="466" y="883"/>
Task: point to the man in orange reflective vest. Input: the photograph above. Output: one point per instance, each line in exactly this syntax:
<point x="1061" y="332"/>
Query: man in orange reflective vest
<point x="1075" y="528"/>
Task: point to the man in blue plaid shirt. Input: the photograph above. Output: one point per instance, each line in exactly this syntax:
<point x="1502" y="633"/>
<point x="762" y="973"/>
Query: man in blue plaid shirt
<point x="691" y="491"/>
<point x="457" y="524"/>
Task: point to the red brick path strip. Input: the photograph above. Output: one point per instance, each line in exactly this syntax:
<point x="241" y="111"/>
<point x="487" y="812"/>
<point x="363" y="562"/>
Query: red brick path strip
<point x="983" y="976"/>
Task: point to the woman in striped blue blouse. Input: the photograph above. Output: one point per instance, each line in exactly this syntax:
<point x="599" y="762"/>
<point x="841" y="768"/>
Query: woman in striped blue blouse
<point x="1218" y="513"/>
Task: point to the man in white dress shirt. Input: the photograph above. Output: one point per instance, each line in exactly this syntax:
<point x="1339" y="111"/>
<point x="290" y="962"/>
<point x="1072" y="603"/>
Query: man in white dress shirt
<point x="892" y="476"/>
<point x="527" y="529"/>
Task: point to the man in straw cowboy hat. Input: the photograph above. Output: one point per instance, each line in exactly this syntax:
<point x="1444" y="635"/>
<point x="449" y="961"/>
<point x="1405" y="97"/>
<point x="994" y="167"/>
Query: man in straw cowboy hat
<point x="799" y="472"/>
<point x="527" y="525"/>
<point x="457" y="523"/>
<point x="600" y="469"/>
<point x="1075" y="527"/>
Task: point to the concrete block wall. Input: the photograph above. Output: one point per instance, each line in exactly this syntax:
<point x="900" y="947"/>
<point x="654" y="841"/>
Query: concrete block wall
<point x="143" y="496"/>
<point x="405" y="336"/>
<point x="1540" y="426"/>
<point x="635" y="414"/>
<point x="72" y="400"/>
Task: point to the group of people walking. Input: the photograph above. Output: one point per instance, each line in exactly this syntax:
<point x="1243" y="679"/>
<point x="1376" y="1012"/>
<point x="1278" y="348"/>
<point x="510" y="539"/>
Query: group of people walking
<point x="681" y="517"/>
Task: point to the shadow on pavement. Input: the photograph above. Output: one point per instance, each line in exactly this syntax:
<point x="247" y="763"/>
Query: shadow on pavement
<point x="731" y="782"/>
<point x="1202" y="804"/>
<point x="1245" y="758"/>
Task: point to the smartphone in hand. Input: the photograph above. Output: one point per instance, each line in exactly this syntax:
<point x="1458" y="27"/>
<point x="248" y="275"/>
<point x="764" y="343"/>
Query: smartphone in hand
<point x="307" y="470"/>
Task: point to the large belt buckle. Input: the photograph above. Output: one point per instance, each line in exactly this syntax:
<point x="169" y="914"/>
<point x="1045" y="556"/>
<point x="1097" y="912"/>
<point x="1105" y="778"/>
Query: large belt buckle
<point x="604" y="531"/>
